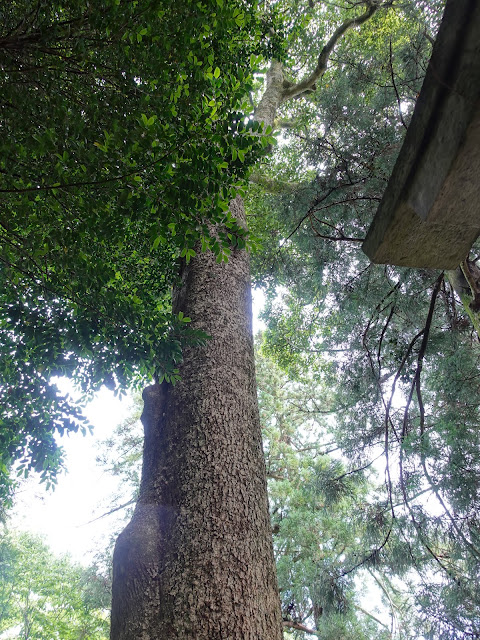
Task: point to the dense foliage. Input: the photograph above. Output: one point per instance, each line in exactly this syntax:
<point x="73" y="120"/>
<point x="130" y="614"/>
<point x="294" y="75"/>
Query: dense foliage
<point x="121" y="142"/>
<point x="319" y="513"/>
<point x="395" y="348"/>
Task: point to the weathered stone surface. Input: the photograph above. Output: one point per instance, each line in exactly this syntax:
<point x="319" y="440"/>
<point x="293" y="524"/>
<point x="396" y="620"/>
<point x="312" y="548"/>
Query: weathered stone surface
<point x="430" y="213"/>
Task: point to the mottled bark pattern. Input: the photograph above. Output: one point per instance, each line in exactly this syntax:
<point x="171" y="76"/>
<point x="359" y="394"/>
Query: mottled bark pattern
<point x="273" y="95"/>
<point x="196" y="562"/>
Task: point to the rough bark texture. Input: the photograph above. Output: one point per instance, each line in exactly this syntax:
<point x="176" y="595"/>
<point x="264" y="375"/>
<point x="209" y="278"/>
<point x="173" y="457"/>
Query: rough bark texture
<point x="196" y="561"/>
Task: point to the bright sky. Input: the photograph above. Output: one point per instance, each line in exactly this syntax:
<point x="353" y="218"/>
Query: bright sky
<point x="62" y="516"/>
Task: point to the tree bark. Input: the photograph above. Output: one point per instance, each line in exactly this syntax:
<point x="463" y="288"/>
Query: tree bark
<point x="196" y="561"/>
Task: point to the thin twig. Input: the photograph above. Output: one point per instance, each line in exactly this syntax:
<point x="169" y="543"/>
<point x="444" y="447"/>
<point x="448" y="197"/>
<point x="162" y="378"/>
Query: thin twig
<point x="399" y="102"/>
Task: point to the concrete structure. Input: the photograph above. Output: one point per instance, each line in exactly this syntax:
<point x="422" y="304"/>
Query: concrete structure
<point x="430" y="214"/>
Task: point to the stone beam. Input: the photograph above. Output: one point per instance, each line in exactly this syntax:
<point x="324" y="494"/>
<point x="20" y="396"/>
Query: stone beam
<point x="429" y="216"/>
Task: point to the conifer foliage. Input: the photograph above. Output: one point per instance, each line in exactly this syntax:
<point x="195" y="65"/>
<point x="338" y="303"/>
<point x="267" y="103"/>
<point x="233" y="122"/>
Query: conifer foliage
<point x="395" y="347"/>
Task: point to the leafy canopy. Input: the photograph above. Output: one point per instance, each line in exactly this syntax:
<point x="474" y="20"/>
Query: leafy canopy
<point x="119" y="123"/>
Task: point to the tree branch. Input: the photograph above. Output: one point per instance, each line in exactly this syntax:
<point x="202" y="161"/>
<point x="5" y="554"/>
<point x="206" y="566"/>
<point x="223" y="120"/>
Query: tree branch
<point x="299" y="627"/>
<point x="392" y="75"/>
<point x="108" y="513"/>
<point x="416" y="387"/>
<point x="421" y="354"/>
<point x="91" y="183"/>
<point x="358" y="469"/>
<point x="393" y="607"/>
<point x="341" y="236"/>
<point x="272" y="185"/>
<point x="371" y="555"/>
<point x="370" y="615"/>
<point x="308" y="83"/>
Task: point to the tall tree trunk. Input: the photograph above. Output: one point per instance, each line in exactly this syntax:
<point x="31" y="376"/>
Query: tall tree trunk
<point x="196" y="561"/>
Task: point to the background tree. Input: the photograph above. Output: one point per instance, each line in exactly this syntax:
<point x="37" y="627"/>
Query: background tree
<point x="319" y="510"/>
<point x="44" y="596"/>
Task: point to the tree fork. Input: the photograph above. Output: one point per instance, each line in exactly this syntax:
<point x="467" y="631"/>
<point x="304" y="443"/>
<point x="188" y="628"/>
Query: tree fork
<point x="196" y="561"/>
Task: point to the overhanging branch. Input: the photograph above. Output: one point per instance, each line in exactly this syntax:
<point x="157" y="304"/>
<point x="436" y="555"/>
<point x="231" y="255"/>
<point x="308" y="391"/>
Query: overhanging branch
<point x="308" y="83"/>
